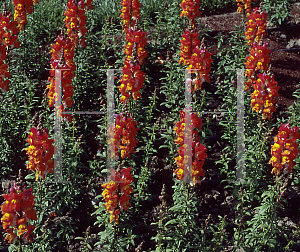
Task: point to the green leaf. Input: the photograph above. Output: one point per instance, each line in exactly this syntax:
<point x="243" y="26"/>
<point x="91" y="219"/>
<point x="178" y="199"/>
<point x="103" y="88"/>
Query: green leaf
<point x="79" y="238"/>
<point x="30" y="176"/>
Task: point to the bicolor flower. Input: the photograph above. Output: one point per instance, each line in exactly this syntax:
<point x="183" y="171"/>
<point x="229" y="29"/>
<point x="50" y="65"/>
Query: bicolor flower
<point x="16" y="211"/>
<point x="122" y="136"/>
<point x="116" y="193"/>
<point x="197" y="149"/>
<point x="40" y="152"/>
<point x="285" y="149"/>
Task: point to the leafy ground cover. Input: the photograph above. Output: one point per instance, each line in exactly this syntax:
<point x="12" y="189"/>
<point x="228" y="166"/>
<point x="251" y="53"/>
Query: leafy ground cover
<point x="166" y="214"/>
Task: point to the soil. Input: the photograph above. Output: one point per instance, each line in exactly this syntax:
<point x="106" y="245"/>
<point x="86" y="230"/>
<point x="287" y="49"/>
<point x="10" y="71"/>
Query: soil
<point x="285" y="60"/>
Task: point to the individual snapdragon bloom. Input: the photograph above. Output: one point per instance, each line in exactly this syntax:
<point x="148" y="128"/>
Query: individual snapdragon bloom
<point x="117" y="191"/>
<point x="197" y="149"/>
<point x="16" y="211"/>
<point x="285" y="149"/>
<point x="40" y="152"/>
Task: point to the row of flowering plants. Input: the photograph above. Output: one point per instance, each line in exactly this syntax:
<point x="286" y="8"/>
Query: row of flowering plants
<point x="158" y="167"/>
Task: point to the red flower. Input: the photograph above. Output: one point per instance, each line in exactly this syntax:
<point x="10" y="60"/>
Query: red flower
<point x="132" y="81"/>
<point x="257" y="61"/>
<point x="244" y="5"/>
<point x="197" y="149"/>
<point x="116" y="193"/>
<point x="40" y="153"/>
<point x="122" y="137"/>
<point x="201" y="60"/>
<point x="17" y="208"/>
<point x="190" y="9"/>
<point x="265" y="89"/>
<point x="188" y="43"/>
<point x="136" y="40"/>
<point x="130" y="13"/>
<point x="285" y="149"/>
<point x="62" y="47"/>
<point x="8" y="37"/>
<point x="22" y="7"/>
<point x="256" y="26"/>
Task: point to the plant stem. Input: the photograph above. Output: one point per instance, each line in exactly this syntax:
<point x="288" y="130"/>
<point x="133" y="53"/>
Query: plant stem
<point x="20" y="244"/>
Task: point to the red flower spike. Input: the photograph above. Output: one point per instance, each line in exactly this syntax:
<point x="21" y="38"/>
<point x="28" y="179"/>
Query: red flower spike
<point x="123" y="137"/>
<point x="257" y="61"/>
<point x="40" y="153"/>
<point x="75" y="22"/>
<point x="116" y="193"/>
<point x="198" y="150"/>
<point x="265" y="89"/>
<point x="132" y="81"/>
<point x="16" y="210"/>
<point x="244" y="5"/>
<point x="138" y="40"/>
<point x="190" y="9"/>
<point x="8" y="35"/>
<point x="285" y="149"/>
<point x="201" y="60"/>
<point x="22" y="7"/>
<point x="188" y="43"/>
<point x="130" y="13"/>
<point x="256" y="26"/>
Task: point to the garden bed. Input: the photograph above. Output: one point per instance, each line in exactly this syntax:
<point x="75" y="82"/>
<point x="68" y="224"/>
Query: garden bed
<point x="218" y="199"/>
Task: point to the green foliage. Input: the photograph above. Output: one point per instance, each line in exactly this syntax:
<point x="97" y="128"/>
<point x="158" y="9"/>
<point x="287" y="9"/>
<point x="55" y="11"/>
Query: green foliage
<point x="176" y="223"/>
<point x="278" y="11"/>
